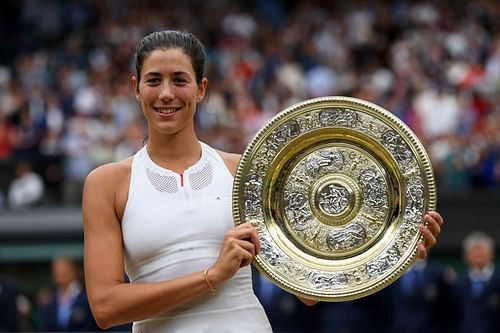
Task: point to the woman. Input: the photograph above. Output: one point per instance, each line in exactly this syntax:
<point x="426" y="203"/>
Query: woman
<point x="166" y="213"/>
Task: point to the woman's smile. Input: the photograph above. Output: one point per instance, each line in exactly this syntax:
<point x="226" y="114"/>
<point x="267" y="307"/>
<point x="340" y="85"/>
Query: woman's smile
<point x="166" y="110"/>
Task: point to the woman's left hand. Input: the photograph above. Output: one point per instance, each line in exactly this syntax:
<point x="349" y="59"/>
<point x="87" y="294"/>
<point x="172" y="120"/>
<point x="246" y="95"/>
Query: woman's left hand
<point x="430" y="230"/>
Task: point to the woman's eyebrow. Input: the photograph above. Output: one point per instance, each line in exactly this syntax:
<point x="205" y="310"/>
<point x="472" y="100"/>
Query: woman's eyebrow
<point x="176" y="73"/>
<point x="180" y="73"/>
<point x="152" y="73"/>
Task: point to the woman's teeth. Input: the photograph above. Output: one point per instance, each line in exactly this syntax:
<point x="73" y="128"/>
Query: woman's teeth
<point x="166" y="111"/>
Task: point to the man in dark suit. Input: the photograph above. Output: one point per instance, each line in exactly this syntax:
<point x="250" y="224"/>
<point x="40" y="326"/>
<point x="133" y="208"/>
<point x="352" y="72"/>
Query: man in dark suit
<point x="367" y="314"/>
<point x="8" y="306"/>
<point x="69" y="309"/>
<point x="478" y="289"/>
<point x="422" y="299"/>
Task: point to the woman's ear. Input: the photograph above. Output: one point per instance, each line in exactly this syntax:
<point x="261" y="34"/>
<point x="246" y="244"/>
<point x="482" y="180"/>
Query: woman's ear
<point x="202" y="89"/>
<point x="135" y="85"/>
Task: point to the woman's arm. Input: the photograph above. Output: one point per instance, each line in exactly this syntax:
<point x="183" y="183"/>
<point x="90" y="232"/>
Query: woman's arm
<point x="112" y="300"/>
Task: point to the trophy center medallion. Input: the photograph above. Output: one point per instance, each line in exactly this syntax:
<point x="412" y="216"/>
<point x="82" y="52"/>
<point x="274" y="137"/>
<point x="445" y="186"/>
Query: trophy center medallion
<point x="333" y="199"/>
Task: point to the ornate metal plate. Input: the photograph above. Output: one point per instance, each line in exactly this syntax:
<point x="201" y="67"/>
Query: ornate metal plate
<point x="336" y="187"/>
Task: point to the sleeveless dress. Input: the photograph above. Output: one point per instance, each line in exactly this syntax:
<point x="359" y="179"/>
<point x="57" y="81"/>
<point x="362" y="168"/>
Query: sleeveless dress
<point x="174" y="225"/>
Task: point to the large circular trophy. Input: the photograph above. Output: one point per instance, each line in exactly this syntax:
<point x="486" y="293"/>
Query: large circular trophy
<point x="337" y="188"/>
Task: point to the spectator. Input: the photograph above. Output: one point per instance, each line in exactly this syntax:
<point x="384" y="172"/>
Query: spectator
<point x="478" y="289"/>
<point x="26" y="190"/>
<point x="69" y="310"/>
<point x="7" y="137"/>
<point x="8" y="306"/>
<point x="42" y="298"/>
<point x="422" y="299"/>
<point x="355" y="316"/>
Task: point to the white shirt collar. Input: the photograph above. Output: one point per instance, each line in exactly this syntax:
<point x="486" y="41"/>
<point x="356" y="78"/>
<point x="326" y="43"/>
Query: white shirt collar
<point x="484" y="274"/>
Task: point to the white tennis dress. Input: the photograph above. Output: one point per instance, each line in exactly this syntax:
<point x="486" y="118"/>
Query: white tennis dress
<point x="174" y="225"/>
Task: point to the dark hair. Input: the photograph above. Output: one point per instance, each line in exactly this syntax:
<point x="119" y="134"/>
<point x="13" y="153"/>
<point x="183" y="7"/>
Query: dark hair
<point x="172" y="39"/>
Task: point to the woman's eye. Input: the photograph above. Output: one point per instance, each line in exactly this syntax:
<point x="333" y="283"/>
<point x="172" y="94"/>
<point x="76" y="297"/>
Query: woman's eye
<point x="180" y="81"/>
<point x="153" y="81"/>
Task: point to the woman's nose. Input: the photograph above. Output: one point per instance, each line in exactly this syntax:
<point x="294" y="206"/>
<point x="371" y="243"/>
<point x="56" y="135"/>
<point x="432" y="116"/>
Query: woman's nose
<point x="166" y="91"/>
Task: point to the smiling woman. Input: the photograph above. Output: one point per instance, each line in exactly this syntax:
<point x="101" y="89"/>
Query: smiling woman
<point x="166" y="212"/>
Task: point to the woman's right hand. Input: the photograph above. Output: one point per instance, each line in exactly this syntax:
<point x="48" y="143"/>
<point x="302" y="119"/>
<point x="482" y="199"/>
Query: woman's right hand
<point x="240" y="246"/>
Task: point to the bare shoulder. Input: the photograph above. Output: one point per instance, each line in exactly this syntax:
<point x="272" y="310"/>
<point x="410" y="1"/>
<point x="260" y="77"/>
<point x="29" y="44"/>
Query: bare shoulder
<point x="107" y="185"/>
<point x="231" y="160"/>
<point x="110" y="174"/>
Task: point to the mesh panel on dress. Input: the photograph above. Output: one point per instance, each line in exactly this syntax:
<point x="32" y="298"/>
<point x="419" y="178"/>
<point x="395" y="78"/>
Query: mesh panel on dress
<point x="202" y="178"/>
<point x="139" y="328"/>
<point x="162" y="183"/>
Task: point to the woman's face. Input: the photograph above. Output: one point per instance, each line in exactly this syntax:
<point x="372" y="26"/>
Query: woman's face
<point x="168" y="91"/>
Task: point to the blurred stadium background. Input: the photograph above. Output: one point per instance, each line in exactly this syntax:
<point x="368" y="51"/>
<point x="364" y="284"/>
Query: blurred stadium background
<point x="66" y="104"/>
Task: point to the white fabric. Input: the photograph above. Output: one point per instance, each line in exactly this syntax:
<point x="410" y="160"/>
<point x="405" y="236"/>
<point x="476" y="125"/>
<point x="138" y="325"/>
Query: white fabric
<point x="174" y="225"/>
<point x="439" y="113"/>
<point x="25" y="190"/>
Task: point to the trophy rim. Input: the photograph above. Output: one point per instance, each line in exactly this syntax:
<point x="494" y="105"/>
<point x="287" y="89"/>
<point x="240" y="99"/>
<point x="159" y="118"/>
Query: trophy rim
<point x="393" y="122"/>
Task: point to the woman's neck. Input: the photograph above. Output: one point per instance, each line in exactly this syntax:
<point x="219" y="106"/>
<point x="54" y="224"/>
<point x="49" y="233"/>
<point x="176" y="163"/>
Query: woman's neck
<point x="174" y="152"/>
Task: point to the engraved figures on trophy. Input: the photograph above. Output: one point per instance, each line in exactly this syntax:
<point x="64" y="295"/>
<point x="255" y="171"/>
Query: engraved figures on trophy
<point x="338" y="117"/>
<point x="284" y="133"/>
<point x="334" y="199"/>
<point x="252" y="195"/>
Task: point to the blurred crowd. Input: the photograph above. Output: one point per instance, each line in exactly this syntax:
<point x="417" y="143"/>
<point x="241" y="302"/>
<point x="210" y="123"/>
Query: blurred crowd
<point x="430" y="297"/>
<point x="66" y="103"/>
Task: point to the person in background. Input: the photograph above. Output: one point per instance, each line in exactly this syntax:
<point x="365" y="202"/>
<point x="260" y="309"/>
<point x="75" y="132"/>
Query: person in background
<point x="422" y="299"/>
<point x="68" y="310"/>
<point x="9" y="319"/>
<point x="478" y="289"/>
<point x="367" y="314"/>
<point x="43" y="296"/>
<point x="27" y="188"/>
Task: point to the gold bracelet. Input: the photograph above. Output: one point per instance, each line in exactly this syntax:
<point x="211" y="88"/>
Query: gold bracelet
<point x="212" y="289"/>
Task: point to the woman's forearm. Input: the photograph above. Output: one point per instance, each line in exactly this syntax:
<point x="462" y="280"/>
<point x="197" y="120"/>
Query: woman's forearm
<point x="127" y="302"/>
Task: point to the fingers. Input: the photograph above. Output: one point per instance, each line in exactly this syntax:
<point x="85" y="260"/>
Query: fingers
<point x="421" y="251"/>
<point x="254" y="238"/>
<point x="246" y="239"/>
<point x="437" y="217"/>
<point x="246" y="232"/>
<point x="433" y="224"/>
<point x="247" y="246"/>
<point x="246" y="252"/>
<point x="429" y="238"/>
<point x="430" y="231"/>
<point x="242" y="244"/>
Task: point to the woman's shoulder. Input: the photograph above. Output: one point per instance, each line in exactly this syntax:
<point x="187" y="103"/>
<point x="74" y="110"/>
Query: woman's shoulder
<point x="108" y="184"/>
<point x="111" y="173"/>
<point x="231" y="160"/>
